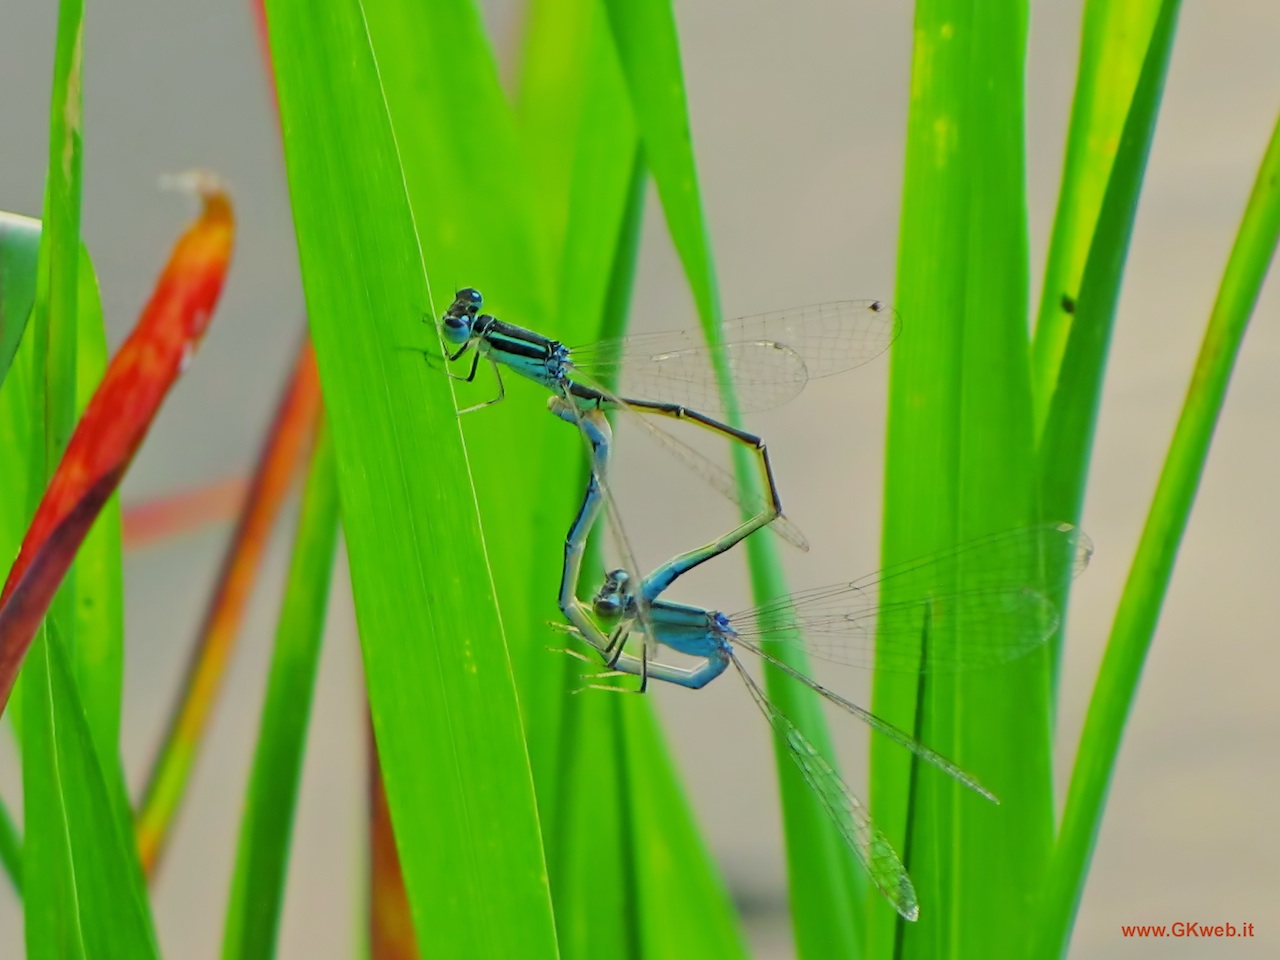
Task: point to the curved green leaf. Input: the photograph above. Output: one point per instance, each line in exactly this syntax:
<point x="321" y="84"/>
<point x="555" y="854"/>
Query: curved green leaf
<point x="266" y="827"/>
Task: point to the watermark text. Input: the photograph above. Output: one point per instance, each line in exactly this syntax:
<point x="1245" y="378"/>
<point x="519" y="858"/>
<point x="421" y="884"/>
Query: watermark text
<point x="1187" y="929"/>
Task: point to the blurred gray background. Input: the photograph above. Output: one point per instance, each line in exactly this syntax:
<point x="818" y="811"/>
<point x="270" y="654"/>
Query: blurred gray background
<point x="799" y="120"/>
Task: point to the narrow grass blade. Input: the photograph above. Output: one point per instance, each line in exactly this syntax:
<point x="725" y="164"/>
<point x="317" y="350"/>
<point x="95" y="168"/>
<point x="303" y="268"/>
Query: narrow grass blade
<point x="285" y="442"/>
<point x="113" y="427"/>
<point x="1144" y="592"/>
<point x="959" y="465"/>
<point x="645" y="34"/>
<point x="1113" y="45"/>
<point x="81" y="883"/>
<point x="266" y="827"/>
<point x="54" y="316"/>
<point x="1068" y="433"/>
<point x="575" y="122"/>
<point x="818" y="865"/>
<point x="440" y="686"/>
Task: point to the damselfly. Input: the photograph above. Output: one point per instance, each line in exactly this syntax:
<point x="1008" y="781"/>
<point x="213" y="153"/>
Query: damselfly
<point x="981" y="603"/>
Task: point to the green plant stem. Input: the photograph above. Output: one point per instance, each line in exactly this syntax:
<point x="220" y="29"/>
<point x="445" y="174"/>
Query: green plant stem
<point x="1113" y="46"/>
<point x="266" y="828"/>
<point x="1067" y="441"/>
<point x="1139" y="609"/>
<point x="1066" y="444"/>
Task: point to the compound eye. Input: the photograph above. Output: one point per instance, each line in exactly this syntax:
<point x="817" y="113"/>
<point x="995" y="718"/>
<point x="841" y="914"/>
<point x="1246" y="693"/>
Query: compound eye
<point x="456" y="329"/>
<point x="471" y="296"/>
<point x="607" y="606"/>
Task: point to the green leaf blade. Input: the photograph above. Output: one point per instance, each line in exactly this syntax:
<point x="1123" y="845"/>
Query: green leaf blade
<point x="648" y="48"/>
<point x="257" y="893"/>
<point x="99" y="568"/>
<point x="1113" y="46"/>
<point x="440" y="685"/>
<point x="1067" y="438"/>
<point x="959" y="465"/>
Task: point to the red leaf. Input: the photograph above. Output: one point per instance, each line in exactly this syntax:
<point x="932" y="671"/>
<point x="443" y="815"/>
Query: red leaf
<point x="160" y="518"/>
<point x="115" y="423"/>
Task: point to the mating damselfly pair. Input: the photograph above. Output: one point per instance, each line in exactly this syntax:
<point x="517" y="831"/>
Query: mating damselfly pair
<point x="983" y="602"/>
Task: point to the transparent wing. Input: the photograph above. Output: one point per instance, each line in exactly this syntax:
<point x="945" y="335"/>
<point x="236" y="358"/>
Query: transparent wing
<point x="715" y="476"/>
<point x="880" y="726"/>
<point x="851" y="819"/>
<point x="770" y="356"/>
<point x="992" y="592"/>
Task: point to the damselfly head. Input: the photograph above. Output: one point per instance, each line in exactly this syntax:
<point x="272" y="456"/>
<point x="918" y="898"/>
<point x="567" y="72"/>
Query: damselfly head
<point x="613" y="598"/>
<point x="459" y="319"/>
